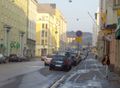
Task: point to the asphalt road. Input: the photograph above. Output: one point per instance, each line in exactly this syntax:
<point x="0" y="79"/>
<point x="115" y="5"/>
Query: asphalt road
<point x="27" y="75"/>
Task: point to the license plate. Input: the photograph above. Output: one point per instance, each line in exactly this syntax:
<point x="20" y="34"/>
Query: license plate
<point x="58" y="65"/>
<point x="60" y="62"/>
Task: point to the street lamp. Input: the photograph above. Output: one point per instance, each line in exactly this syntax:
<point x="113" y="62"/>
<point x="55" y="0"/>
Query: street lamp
<point x="70" y="1"/>
<point x="7" y="29"/>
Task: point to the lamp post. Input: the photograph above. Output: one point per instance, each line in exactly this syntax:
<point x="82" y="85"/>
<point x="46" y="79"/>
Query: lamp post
<point x="70" y="1"/>
<point x="7" y="29"/>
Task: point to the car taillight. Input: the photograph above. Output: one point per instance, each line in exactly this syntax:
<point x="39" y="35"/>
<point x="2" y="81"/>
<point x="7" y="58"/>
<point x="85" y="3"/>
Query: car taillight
<point x="66" y="62"/>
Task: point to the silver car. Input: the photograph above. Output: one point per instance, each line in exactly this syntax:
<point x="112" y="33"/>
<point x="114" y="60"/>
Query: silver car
<point x="3" y="59"/>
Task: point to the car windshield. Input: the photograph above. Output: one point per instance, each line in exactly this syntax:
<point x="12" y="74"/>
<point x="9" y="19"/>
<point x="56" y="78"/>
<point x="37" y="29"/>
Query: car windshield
<point x="55" y="58"/>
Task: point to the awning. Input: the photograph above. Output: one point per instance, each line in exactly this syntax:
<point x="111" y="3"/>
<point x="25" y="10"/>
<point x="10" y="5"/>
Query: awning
<point x="111" y="26"/>
<point x="105" y="32"/>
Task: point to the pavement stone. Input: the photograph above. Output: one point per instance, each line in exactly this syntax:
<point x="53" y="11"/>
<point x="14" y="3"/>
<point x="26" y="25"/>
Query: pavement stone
<point x="90" y="73"/>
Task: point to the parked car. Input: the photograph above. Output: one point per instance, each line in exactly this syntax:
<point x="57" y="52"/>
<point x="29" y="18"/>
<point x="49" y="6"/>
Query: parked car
<point x="43" y="57"/>
<point x="47" y="60"/>
<point x="74" y="56"/>
<point x="14" y="58"/>
<point x="23" y="58"/>
<point x="74" y="60"/>
<point x="60" y="62"/>
<point x="78" y="58"/>
<point x="83" y="56"/>
<point x="3" y="59"/>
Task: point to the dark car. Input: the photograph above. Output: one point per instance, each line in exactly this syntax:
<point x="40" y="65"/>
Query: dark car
<point x="78" y="58"/>
<point x="60" y="62"/>
<point x="74" y="60"/>
<point x="74" y="56"/>
<point x="14" y="58"/>
<point x="23" y="58"/>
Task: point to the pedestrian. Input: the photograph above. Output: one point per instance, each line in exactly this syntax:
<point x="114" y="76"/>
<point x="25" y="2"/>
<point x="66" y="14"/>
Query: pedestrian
<point x="106" y="62"/>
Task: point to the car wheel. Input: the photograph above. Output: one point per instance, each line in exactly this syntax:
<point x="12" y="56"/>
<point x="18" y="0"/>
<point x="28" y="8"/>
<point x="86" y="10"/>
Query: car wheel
<point x="6" y="61"/>
<point x="45" y="64"/>
<point x="50" y="68"/>
<point x="69" y="68"/>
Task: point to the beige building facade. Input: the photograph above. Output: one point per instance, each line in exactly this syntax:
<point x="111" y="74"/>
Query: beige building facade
<point x="13" y="26"/>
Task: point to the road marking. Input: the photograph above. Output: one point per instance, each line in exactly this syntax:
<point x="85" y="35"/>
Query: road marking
<point x="94" y="78"/>
<point x="55" y="84"/>
<point x="37" y="66"/>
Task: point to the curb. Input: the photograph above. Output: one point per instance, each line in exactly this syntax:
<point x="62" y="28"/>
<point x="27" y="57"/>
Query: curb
<point x="56" y="83"/>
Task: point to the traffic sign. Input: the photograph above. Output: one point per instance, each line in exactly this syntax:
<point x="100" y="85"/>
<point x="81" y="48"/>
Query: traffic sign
<point x="79" y="33"/>
<point x="79" y="39"/>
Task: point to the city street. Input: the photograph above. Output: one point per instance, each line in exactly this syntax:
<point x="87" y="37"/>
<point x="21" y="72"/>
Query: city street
<point x="88" y="74"/>
<point x="81" y="38"/>
<point x="27" y="75"/>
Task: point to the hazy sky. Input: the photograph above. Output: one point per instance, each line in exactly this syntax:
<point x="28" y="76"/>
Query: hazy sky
<point x="76" y="9"/>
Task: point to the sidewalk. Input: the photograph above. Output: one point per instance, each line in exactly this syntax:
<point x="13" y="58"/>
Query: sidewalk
<point x="90" y="73"/>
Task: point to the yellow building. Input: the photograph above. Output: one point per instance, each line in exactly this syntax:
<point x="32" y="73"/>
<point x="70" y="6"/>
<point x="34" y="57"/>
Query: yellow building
<point x="70" y="39"/>
<point x="70" y="42"/>
<point x="62" y="27"/>
<point x="49" y="29"/>
<point x="31" y="33"/>
<point x="43" y="38"/>
<point x="13" y="25"/>
<point x="46" y="34"/>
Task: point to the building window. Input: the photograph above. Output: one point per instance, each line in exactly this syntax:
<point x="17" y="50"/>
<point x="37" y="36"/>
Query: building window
<point x="114" y="1"/>
<point x="42" y="26"/>
<point x="45" y="34"/>
<point x="46" y="26"/>
<point x="42" y="33"/>
<point x="118" y="2"/>
<point x="45" y="42"/>
<point x="42" y="42"/>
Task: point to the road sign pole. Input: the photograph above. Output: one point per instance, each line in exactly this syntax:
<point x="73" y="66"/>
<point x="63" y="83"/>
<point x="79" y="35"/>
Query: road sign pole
<point x="78" y="39"/>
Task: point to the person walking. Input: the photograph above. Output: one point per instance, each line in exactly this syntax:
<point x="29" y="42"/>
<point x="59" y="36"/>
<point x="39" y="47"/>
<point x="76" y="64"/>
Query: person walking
<point x="106" y="62"/>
